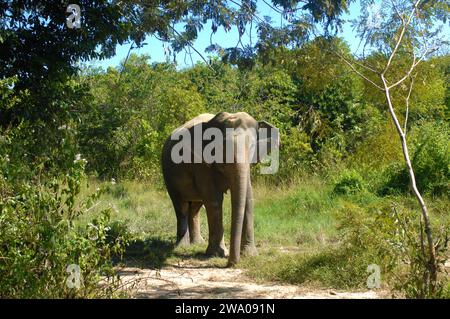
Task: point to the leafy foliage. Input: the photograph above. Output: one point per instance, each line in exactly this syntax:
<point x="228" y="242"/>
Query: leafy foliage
<point x="131" y="115"/>
<point x="54" y="113"/>
<point x="350" y="182"/>
<point x="389" y="236"/>
<point x="430" y="159"/>
<point x="39" y="239"/>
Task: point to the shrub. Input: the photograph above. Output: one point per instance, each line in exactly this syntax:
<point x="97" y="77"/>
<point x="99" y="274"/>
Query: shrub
<point x="389" y="235"/>
<point x="123" y="130"/>
<point x="349" y="182"/>
<point x="295" y="155"/>
<point x="430" y="160"/>
<point x="39" y="242"/>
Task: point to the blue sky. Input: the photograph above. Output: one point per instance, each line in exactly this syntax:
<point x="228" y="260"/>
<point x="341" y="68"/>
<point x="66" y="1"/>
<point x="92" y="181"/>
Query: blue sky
<point x="155" y="48"/>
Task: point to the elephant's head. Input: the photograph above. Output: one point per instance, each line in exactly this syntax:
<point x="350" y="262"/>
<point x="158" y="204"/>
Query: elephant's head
<point x="250" y="141"/>
<point x="259" y="140"/>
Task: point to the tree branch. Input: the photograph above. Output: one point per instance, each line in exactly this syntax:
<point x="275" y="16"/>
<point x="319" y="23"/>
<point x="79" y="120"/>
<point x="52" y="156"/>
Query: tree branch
<point x="402" y="33"/>
<point x="359" y="73"/>
<point x="397" y="12"/>
<point x="407" y="103"/>
<point x="192" y="47"/>
<point x="411" y="69"/>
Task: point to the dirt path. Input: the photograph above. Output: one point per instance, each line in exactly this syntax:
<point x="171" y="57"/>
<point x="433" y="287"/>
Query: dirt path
<point x="200" y="281"/>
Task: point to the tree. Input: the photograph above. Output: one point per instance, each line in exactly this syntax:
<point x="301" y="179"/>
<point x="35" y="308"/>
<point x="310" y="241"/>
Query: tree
<point x="39" y="51"/>
<point x="122" y="131"/>
<point x="409" y="29"/>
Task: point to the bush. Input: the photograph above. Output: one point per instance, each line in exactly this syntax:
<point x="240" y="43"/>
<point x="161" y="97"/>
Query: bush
<point x="295" y="155"/>
<point x="40" y="246"/>
<point x="430" y="158"/>
<point x="349" y="182"/>
<point x="389" y="235"/>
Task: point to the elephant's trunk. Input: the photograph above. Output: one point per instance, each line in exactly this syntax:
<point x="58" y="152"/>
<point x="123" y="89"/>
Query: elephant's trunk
<point x="238" y="187"/>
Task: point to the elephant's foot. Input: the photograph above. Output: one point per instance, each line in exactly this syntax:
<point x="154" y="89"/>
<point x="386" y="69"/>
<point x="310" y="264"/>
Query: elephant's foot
<point x="249" y="250"/>
<point x="197" y="240"/>
<point x="184" y="241"/>
<point x="217" y="251"/>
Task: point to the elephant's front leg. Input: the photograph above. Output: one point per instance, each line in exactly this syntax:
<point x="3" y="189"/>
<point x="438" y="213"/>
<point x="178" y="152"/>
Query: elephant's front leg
<point x="216" y="244"/>
<point x="194" y="223"/>
<point x="248" y="247"/>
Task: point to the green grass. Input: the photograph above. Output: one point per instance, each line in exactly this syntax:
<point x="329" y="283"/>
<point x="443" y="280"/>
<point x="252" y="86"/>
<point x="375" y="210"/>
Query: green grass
<point x="286" y="216"/>
<point x="145" y="210"/>
<point x="327" y="267"/>
<point x="300" y="215"/>
<point x="296" y="230"/>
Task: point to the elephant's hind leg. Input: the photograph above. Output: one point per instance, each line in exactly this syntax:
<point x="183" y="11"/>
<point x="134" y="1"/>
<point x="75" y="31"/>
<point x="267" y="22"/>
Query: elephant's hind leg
<point x="194" y="223"/>
<point x="182" y="213"/>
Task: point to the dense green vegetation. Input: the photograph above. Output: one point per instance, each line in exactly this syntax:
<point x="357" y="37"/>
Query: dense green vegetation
<point x="325" y="120"/>
<point x="80" y="179"/>
<point x="329" y="133"/>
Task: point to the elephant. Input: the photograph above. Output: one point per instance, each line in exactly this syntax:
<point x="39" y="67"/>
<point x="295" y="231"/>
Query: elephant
<point x="196" y="182"/>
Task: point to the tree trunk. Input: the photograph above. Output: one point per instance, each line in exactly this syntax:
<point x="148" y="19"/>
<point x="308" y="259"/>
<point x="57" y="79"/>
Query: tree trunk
<point x="432" y="264"/>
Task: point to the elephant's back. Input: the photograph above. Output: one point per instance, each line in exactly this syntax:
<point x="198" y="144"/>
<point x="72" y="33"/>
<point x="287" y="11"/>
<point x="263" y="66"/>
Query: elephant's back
<point x="202" y="118"/>
<point x="179" y="177"/>
<point x="169" y="143"/>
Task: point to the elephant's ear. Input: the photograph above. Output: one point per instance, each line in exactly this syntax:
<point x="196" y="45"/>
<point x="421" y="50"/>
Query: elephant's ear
<point x="271" y="129"/>
<point x="268" y="140"/>
<point x="264" y="124"/>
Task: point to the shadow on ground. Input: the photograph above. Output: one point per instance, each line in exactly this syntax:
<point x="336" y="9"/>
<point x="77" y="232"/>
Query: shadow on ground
<point x="192" y="292"/>
<point x="154" y="268"/>
<point x="148" y="253"/>
<point x="154" y="252"/>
